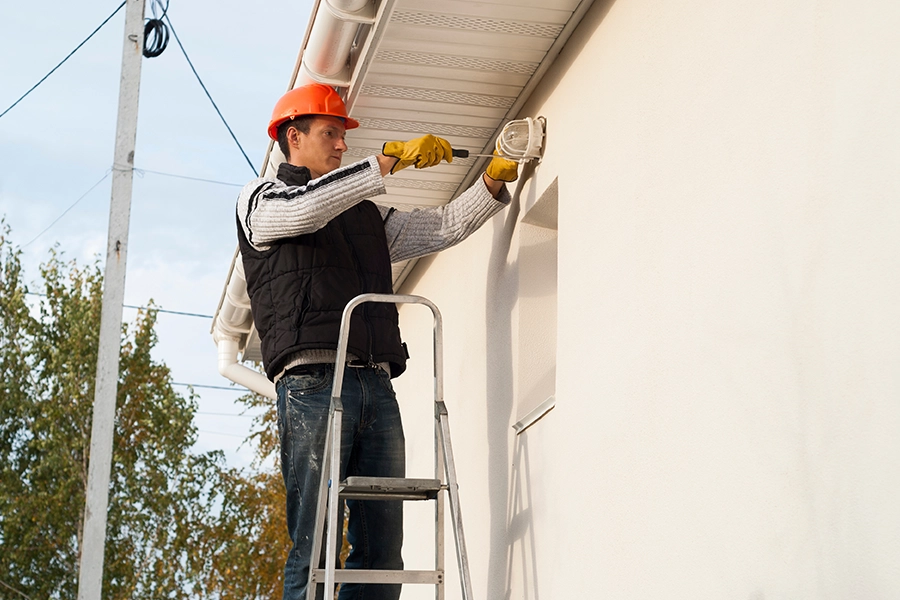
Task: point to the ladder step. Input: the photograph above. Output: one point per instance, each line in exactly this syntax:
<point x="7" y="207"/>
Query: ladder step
<point x="379" y="576"/>
<point x="389" y="488"/>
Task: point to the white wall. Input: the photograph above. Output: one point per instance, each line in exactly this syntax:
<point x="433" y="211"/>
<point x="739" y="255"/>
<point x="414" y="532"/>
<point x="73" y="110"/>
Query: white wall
<point x="727" y="421"/>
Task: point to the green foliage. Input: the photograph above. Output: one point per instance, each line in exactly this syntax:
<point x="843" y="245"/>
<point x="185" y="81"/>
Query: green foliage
<point x="180" y="525"/>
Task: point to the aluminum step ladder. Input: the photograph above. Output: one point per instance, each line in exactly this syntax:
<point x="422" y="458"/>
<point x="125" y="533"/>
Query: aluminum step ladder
<point x="329" y="515"/>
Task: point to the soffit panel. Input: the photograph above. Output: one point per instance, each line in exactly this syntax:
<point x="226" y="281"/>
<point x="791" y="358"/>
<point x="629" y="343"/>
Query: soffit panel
<point x="454" y="53"/>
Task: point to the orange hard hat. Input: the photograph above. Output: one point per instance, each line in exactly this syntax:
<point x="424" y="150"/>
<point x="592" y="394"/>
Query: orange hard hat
<point x="312" y="99"/>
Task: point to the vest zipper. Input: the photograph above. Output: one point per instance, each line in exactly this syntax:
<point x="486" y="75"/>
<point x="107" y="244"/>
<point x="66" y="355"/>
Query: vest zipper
<point x="370" y="334"/>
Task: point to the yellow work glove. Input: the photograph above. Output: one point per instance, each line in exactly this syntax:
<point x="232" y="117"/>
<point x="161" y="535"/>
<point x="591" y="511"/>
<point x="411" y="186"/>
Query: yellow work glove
<point x="422" y="152"/>
<point x="502" y="169"/>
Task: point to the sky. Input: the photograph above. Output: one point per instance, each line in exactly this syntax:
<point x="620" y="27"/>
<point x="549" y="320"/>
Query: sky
<point x="58" y="143"/>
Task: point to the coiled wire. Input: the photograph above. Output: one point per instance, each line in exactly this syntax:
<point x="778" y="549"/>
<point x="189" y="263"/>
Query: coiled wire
<point x="156" y="32"/>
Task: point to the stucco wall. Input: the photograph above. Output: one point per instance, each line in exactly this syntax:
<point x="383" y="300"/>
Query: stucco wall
<point x="727" y="420"/>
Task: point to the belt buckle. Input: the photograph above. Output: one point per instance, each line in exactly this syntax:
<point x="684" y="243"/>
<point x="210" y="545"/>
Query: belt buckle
<point x="358" y="363"/>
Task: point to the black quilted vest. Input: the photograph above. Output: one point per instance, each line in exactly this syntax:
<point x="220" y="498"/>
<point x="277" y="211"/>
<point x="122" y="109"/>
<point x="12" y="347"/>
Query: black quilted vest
<point x="299" y="287"/>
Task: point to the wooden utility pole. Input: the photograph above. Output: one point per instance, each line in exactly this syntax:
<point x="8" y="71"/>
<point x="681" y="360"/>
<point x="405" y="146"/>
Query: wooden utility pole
<point x="90" y="577"/>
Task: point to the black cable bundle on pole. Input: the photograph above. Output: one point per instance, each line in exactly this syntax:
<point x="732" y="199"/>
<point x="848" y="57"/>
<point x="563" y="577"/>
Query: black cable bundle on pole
<point x="156" y="34"/>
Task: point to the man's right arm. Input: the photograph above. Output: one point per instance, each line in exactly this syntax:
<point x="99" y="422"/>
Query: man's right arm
<point x="269" y="210"/>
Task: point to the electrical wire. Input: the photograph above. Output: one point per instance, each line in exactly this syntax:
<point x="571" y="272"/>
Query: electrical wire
<point x="9" y="587"/>
<point x="156" y="34"/>
<point x="171" y="312"/>
<point x="243" y="390"/>
<point x="208" y="95"/>
<point x="139" y="172"/>
<point x="156" y="39"/>
<point x="142" y="171"/>
<point x="159" y="310"/>
<point x="221" y="414"/>
<point x="222" y="433"/>
<point x="63" y="60"/>
<point x="108" y="171"/>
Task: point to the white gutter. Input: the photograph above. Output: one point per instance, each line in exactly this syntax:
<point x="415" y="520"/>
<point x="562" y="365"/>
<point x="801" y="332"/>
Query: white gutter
<point x="334" y="29"/>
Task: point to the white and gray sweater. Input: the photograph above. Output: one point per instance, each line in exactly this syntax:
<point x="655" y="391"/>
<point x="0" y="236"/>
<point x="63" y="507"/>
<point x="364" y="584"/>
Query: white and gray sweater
<point x="269" y="210"/>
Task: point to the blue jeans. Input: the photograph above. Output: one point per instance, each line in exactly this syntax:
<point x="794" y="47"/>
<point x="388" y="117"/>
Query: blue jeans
<point x="372" y="444"/>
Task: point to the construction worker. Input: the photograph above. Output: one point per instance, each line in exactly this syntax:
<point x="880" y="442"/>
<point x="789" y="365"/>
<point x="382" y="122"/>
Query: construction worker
<point x="310" y="242"/>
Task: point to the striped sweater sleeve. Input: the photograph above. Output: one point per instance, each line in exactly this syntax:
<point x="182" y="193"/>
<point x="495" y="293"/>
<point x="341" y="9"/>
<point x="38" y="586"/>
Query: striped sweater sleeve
<point x="427" y="230"/>
<point x="269" y="210"/>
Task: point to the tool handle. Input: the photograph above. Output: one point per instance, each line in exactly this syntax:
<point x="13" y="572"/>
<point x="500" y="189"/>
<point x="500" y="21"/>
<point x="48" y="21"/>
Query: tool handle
<point x="457" y="153"/>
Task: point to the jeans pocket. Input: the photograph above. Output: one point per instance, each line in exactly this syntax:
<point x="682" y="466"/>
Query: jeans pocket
<point x="385" y="379"/>
<point x="308" y="379"/>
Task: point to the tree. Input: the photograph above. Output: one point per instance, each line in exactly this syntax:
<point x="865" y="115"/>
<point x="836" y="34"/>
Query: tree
<point x="180" y="524"/>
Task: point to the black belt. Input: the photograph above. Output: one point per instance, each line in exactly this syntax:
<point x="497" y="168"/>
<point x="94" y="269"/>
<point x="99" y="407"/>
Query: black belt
<point x="368" y="364"/>
<point x="353" y="364"/>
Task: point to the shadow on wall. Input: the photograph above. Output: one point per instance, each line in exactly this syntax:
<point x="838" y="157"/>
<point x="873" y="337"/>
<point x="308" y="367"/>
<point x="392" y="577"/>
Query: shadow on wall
<point x="529" y="284"/>
<point x="520" y="528"/>
<point x="502" y="289"/>
<point x="511" y="510"/>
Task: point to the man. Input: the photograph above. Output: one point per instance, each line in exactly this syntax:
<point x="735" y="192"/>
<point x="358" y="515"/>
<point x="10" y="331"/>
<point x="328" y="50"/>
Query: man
<point x="310" y="242"/>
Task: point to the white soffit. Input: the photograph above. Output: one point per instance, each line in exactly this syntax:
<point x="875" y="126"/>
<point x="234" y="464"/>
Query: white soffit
<point x="456" y="69"/>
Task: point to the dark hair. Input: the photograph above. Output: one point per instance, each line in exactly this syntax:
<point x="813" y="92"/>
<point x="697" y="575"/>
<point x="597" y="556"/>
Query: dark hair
<point x="301" y="124"/>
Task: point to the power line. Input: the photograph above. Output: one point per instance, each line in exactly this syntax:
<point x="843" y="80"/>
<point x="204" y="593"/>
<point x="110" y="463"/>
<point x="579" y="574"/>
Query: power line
<point x="221" y="433"/>
<point x="156" y="34"/>
<point x="9" y="587"/>
<point x="171" y="312"/>
<point x="213" y="387"/>
<point x="153" y="308"/>
<point x="218" y="414"/>
<point x="108" y="171"/>
<point x="142" y="171"/>
<point x="63" y="60"/>
<point x="234" y="137"/>
<point x="139" y="172"/>
<point x="153" y="28"/>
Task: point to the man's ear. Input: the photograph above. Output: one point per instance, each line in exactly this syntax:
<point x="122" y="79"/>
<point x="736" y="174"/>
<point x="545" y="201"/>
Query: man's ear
<point x="294" y="137"/>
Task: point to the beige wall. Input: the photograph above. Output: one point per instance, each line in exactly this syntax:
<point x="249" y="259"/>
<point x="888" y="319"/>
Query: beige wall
<point x="727" y="347"/>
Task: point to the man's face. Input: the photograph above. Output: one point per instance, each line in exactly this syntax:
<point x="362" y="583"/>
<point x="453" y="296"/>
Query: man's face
<point x="321" y="149"/>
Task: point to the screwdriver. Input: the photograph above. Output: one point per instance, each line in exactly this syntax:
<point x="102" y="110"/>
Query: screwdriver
<point x="459" y="153"/>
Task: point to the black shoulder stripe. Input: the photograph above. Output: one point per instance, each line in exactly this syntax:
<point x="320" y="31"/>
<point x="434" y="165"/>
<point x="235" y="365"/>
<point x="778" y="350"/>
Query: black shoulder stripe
<point x="293" y="192"/>
<point x="251" y="206"/>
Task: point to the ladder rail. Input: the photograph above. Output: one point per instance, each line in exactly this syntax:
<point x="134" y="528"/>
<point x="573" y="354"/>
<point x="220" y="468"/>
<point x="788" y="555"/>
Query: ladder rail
<point x="439" y="509"/>
<point x="332" y="530"/>
<point x="321" y="504"/>
<point x="462" y="557"/>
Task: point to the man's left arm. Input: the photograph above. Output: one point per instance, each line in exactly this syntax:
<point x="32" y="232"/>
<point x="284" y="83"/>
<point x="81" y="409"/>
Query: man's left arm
<point x="425" y="231"/>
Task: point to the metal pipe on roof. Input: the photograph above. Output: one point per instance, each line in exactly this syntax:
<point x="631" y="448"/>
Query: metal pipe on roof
<point x="327" y="51"/>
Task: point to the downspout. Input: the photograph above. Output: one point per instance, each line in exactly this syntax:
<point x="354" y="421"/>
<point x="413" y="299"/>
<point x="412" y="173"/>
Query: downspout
<point x="231" y="369"/>
<point x="233" y="322"/>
